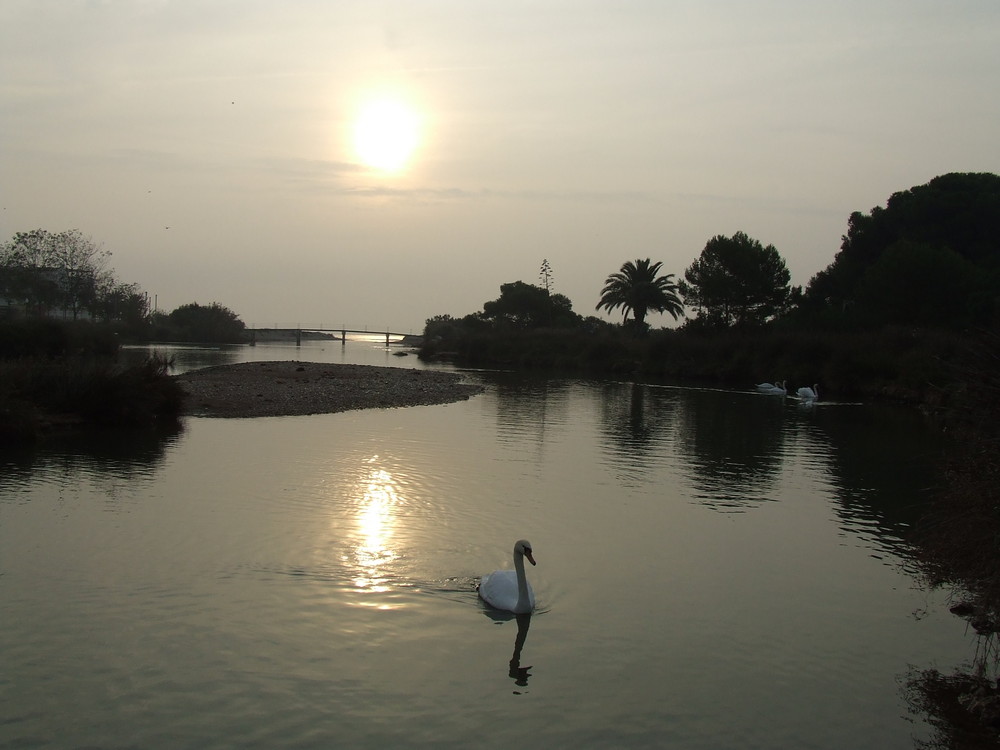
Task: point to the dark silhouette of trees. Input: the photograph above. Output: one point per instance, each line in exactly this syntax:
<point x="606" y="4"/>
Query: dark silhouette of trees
<point x="525" y="306"/>
<point x="637" y="289"/>
<point x="920" y="285"/>
<point x="46" y="271"/>
<point x="736" y="281"/>
<point x="206" y="323"/>
<point x="117" y="301"/>
<point x="66" y="274"/>
<point x="931" y="256"/>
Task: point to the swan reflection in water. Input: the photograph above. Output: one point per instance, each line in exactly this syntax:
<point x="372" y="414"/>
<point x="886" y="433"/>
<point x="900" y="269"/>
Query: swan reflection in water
<point x="516" y="672"/>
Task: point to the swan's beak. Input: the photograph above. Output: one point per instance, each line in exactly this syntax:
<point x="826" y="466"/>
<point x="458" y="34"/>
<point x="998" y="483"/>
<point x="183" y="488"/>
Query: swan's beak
<point x="527" y="553"/>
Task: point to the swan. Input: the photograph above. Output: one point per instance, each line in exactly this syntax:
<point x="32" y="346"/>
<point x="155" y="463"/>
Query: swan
<point x="773" y="389"/>
<point x="809" y="394"/>
<point x="509" y="590"/>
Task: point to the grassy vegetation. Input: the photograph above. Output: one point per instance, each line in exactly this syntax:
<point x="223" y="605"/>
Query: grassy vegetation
<point x="56" y="376"/>
<point x="893" y="363"/>
<point x="960" y="542"/>
<point x="47" y="337"/>
<point x="958" y="547"/>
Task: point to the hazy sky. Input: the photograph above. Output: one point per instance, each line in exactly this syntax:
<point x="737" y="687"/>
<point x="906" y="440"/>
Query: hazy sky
<point x="587" y="133"/>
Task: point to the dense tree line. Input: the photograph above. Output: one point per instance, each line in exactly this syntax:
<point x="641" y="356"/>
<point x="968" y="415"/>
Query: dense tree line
<point x="911" y="280"/>
<point x="192" y="322"/>
<point x="930" y="258"/>
<point x="66" y="274"/>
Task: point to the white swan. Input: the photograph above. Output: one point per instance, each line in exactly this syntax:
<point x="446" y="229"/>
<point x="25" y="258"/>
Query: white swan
<point x="773" y="389"/>
<point x="509" y="590"/>
<point x="809" y="394"/>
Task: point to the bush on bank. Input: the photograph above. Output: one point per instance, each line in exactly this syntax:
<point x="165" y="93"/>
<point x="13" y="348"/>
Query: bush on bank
<point x="56" y="375"/>
<point x="48" y="337"/>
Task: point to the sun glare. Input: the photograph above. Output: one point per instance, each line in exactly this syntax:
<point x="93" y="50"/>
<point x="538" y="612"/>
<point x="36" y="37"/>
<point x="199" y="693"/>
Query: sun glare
<point x="374" y="556"/>
<point x="385" y="134"/>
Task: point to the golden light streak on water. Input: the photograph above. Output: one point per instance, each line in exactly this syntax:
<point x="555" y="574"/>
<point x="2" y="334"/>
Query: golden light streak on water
<point x="377" y="498"/>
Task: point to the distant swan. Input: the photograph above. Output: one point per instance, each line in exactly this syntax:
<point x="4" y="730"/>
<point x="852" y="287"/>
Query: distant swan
<point x="509" y="590"/>
<point x="809" y="394"/>
<point x="777" y="388"/>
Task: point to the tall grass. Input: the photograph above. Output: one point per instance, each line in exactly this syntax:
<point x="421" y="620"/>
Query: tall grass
<point x="40" y="394"/>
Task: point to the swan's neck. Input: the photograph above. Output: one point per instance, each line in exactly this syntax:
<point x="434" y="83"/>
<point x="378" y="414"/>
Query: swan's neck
<point x="523" y="603"/>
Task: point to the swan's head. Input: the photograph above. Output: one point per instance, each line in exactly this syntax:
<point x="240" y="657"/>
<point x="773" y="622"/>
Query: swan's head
<point x="523" y="547"/>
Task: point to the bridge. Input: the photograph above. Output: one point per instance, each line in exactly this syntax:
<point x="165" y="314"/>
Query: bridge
<point x="296" y="333"/>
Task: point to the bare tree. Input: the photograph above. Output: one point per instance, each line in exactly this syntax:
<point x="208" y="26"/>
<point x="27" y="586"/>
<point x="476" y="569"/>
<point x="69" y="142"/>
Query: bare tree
<point x="48" y="270"/>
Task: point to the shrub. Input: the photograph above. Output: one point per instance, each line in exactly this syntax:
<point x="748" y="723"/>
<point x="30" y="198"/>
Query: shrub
<point x="37" y="394"/>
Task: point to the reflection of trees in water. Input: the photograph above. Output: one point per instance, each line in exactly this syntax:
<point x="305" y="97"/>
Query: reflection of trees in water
<point x="883" y="463"/>
<point x="635" y="419"/>
<point x="962" y="708"/>
<point x="527" y="405"/>
<point x="734" y="443"/>
<point x="955" y="546"/>
<point x="108" y="456"/>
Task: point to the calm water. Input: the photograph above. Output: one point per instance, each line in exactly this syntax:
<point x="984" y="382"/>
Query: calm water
<point x="715" y="570"/>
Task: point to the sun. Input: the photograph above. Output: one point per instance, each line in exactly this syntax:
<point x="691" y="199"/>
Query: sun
<point x="386" y="133"/>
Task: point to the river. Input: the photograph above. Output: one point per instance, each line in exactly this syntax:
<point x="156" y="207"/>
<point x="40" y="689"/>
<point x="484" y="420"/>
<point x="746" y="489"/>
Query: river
<point x="716" y="569"/>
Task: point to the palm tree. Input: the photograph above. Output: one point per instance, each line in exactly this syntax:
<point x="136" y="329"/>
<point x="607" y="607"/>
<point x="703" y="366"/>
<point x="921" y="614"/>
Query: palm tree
<point x="638" y="290"/>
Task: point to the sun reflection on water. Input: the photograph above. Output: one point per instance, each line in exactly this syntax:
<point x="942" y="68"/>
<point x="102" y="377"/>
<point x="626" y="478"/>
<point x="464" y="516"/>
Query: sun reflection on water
<point x="378" y="501"/>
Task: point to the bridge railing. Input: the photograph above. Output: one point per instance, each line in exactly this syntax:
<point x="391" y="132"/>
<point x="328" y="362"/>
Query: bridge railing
<point x="297" y="334"/>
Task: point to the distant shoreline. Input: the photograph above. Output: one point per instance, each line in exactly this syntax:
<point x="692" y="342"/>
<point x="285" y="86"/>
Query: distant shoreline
<point x="288" y="388"/>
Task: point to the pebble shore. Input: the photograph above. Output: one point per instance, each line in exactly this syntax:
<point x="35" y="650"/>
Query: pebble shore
<point x="276" y="389"/>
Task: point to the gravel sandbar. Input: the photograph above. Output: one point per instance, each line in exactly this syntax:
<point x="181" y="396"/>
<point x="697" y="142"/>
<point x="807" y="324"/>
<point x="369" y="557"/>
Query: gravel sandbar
<point x="277" y="389"/>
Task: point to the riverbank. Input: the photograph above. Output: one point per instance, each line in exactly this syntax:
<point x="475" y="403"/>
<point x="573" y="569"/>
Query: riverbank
<point x="919" y="367"/>
<point x="276" y="389"/>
